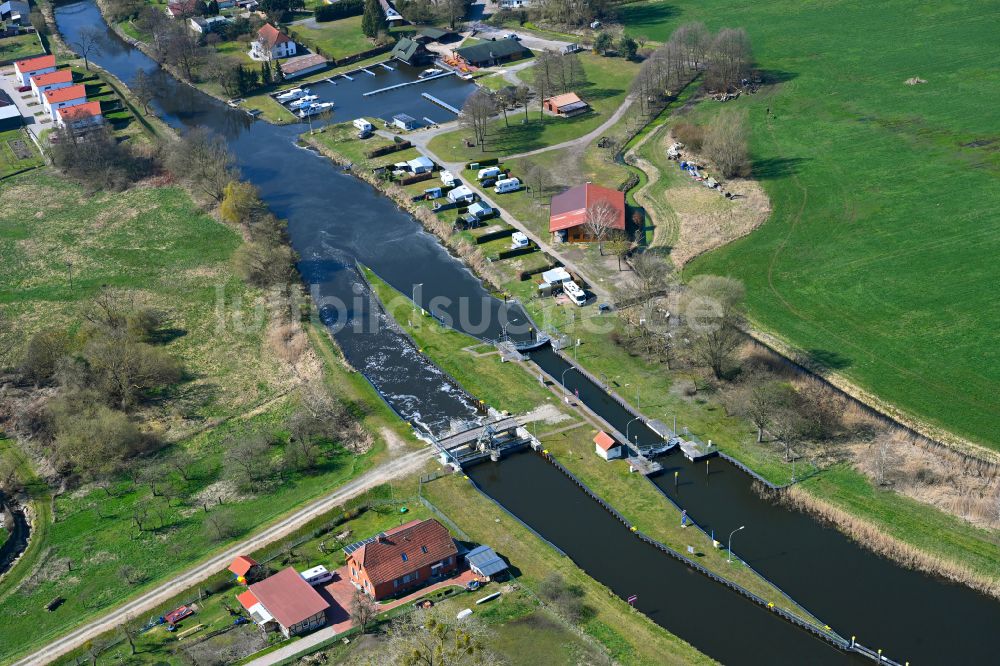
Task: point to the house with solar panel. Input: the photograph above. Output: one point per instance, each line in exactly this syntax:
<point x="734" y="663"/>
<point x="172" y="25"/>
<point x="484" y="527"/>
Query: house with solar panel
<point x="402" y="559"/>
<point x="485" y="563"/>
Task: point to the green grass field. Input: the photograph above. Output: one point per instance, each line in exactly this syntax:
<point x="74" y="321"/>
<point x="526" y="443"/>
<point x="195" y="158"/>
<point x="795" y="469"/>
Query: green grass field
<point x="880" y="257"/>
<point x="11" y="162"/>
<point x="18" y="47"/>
<point x="336" y="39"/>
<point x="607" y="83"/>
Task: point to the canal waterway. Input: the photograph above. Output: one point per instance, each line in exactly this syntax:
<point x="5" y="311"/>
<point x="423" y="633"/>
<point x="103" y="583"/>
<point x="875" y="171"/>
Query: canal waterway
<point x="336" y="220"/>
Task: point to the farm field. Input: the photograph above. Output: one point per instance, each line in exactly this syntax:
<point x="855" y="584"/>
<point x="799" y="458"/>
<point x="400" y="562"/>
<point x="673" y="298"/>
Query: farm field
<point x="880" y="256"/>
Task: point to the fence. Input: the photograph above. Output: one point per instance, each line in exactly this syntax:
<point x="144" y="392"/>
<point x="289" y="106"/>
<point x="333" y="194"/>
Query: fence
<point x="494" y="235"/>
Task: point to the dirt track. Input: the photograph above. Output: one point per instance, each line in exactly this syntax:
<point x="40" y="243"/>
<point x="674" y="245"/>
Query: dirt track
<point x="401" y="466"/>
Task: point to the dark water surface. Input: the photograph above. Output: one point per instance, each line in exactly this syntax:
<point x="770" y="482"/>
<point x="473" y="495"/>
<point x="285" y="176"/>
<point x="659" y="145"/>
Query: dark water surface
<point x="336" y="220"/>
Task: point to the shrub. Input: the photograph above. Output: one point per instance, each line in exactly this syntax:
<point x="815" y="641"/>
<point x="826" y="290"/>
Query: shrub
<point x="691" y="135"/>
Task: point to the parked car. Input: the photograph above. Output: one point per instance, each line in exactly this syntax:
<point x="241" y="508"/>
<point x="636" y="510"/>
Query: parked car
<point x="513" y="36"/>
<point x="24" y="89"/>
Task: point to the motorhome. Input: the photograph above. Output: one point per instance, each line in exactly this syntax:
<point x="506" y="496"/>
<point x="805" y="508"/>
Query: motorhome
<point x="518" y="240"/>
<point x="448" y="179"/>
<point x="507" y="185"/>
<point x="363" y="125"/>
<point x="575" y="293"/>
<point x="488" y="172"/>
<point x="317" y="575"/>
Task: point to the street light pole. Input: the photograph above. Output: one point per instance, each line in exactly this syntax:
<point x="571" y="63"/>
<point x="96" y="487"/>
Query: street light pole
<point x="563" y="380"/>
<point x="414" y="294"/>
<point x="629" y="424"/>
<point x="730" y="557"/>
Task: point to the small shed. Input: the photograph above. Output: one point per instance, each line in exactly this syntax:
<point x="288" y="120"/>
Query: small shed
<point x="484" y="562"/>
<point x="404" y="121"/>
<point x="420" y="164"/>
<point x="606" y="447"/>
<point x="243" y="567"/>
<point x="566" y="105"/>
<point x="10" y="118"/>
<point x="481" y="209"/>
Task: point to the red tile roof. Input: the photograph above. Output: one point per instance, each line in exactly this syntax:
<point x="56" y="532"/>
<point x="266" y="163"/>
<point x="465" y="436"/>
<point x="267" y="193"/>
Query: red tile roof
<point x="242" y="564"/>
<point x="288" y="598"/>
<point x="185" y="7"/>
<point x="569" y="209"/>
<point x="605" y="441"/>
<point x="271" y="36"/>
<point x="35" y="64"/>
<point x="60" y="76"/>
<point x="293" y="65"/>
<point x="247" y="599"/>
<point x="424" y="542"/>
<point x="80" y="111"/>
<point x="66" y="94"/>
<point x="564" y="100"/>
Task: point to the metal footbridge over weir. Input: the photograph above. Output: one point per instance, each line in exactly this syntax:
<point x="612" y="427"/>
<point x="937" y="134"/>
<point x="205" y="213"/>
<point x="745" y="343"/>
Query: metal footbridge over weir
<point x="468" y="443"/>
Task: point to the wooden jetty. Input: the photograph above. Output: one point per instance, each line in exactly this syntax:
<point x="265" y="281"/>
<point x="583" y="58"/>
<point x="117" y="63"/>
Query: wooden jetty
<point x="439" y="102"/>
<point x="406" y="83"/>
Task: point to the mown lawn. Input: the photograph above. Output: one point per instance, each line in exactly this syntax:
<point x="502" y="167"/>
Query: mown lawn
<point x="879" y="257"/>
<point x="10" y="162"/>
<point x="334" y="39"/>
<point x="19" y="47"/>
<point x="607" y="83"/>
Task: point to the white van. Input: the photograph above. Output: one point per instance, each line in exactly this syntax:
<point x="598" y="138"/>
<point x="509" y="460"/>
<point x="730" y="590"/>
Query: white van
<point x="519" y="240"/>
<point x="488" y="172"/>
<point x="577" y="295"/>
<point x="363" y="125"/>
<point x="447" y="179"/>
<point x="507" y="185"/>
<point x="317" y="575"/>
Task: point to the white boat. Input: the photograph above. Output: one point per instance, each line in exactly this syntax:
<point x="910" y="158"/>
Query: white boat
<point x="292" y="94"/>
<point x="427" y="73"/>
<point x="303" y="101"/>
<point x="313" y="109"/>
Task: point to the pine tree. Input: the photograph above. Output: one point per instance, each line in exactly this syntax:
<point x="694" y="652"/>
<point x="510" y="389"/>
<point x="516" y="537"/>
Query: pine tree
<point x="373" y="18"/>
<point x="265" y="73"/>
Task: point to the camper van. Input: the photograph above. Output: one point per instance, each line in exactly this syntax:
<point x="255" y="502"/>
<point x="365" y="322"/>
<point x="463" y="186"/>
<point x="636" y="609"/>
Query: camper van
<point x="317" y="575"/>
<point x="519" y="240"/>
<point x="363" y="125"/>
<point x="577" y="295"/>
<point x="507" y="185"/>
<point x="488" y="172"/>
<point x="448" y="179"/>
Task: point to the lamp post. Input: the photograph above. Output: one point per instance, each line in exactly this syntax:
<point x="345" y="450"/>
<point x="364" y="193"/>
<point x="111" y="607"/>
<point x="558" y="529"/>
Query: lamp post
<point x="414" y="294"/>
<point x="730" y="557"/>
<point x="629" y="424"/>
<point x="563" y="380"/>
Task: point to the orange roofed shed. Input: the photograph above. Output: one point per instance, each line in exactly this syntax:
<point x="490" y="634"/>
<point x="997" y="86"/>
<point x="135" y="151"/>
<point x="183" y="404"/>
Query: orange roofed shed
<point x="606" y="447"/>
<point x="242" y="564"/>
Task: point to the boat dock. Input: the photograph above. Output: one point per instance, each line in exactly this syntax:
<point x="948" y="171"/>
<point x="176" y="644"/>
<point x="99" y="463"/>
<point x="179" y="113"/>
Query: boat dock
<point x="643" y="465"/>
<point x="406" y="83"/>
<point x="386" y="67"/>
<point x="368" y="72"/>
<point x="440" y="103"/>
<point x="348" y="77"/>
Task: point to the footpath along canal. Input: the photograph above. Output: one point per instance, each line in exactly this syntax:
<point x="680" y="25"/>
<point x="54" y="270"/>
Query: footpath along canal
<point x="335" y="220"/>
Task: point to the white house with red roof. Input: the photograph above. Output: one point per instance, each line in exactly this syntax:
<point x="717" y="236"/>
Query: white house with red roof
<point x="24" y="69"/>
<point x="40" y="83"/>
<point x="80" y="116"/>
<point x="271" y="44"/>
<point x="63" y="97"/>
<point x="606" y="447"/>
<point x="285" y="602"/>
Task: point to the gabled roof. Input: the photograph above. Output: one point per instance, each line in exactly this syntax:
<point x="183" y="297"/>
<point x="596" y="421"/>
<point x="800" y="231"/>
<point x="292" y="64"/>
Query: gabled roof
<point x="247" y="599"/>
<point x="66" y="94"/>
<point x="569" y="209"/>
<point x="433" y="33"/>
<point x="483" y="51"/>
<point x="287" y="597"/>
<point x="242" y="564"/>
<point x="564" y="100"/>
<point x="35" y="64"/>
<point x="299" y="63"/>
<point x="80" y="111"/>
<point x="605" y="441"/>
<point x="405" y="549"/>
<point x="58" y="76"/>
<point x="485" y="560"/>
<point x="271" y="36"/>
<point x="182" y="7"/>
<point x="406" y="48"/>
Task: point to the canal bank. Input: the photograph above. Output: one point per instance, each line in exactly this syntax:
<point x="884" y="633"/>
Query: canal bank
<point x="335" y="220"/>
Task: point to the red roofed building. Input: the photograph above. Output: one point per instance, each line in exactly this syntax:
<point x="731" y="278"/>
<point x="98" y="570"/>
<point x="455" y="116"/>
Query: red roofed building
<point x="182" y="8"/>
<point x="63" y="97"/>
<point x="285" y="602"/>
<point x="242" y="566"/>
<point x="81" y="115"/>
<point x="402" y="558"/>
<point x="568" y="212"/>
<point x="24" y="69"/>
<point x="271" y="44"/>
<point x="61" y="78"/>
<point x="606" y="446"/>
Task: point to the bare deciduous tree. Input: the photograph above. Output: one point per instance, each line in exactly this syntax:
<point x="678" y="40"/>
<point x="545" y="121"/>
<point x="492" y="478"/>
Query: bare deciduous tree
<point x="363" y="610"/>
<point x="203" y="160"/>
<point x="713" y="314"/>
<point x="143" y="89"/>
<point x="759" y="400"/>
<point x="729" y="59"/>
<point x="89" y="44"/>
<point x="601" y="217"/>
<point x="726" y="142"/>
<point x="476" y="114"/>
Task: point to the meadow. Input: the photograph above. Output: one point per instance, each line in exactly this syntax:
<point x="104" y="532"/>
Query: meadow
<point x="880" y="257"/>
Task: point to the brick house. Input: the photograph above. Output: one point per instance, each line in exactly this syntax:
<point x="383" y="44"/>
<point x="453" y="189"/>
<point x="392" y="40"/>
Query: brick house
<point x="402" y="558"/>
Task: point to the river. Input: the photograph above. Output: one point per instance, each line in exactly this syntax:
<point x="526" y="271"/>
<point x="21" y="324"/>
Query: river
<point x="336" y="220"/>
